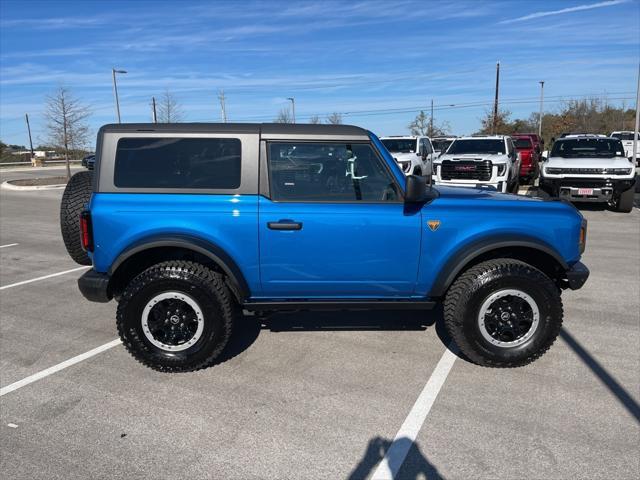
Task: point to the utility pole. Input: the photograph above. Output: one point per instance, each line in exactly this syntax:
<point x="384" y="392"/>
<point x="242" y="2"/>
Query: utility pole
<point x="293" y="107"/>
<point x="222" y="105"/>
<point x="495" y="103"/>
<point x="26" y="115"/>
<point x="635" y="131"/>
<point x="431" y="121"/>
<point x="541" y="102"/>
<point x="115" y="90"/>
<point x="153" y="110"/>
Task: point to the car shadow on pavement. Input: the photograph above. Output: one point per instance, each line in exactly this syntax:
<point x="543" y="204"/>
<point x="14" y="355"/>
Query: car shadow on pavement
<point x="414" y="466"/>
<point x="599" y="371"/>
<point x="248" y="329"/>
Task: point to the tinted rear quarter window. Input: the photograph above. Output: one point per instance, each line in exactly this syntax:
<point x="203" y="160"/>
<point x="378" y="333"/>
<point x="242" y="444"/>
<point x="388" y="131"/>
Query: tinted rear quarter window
<point x="198" y="163"/>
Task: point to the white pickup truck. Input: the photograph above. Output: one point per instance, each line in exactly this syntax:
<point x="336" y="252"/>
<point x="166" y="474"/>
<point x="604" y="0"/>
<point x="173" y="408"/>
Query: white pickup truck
<point x="626" y="137"/>
<point x="589" y="168"/>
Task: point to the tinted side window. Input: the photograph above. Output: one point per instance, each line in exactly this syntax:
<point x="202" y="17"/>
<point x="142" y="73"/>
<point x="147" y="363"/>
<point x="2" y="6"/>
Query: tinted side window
<point x="328" y="172"/>
<point x="207" y="163"/>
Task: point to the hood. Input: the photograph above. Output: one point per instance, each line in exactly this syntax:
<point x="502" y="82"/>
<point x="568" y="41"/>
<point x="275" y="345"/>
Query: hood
<point x="404" y="157"/>
<point x="586" y="162"/>
<point x="480" y="193"/>
<point x="478" y="157"/>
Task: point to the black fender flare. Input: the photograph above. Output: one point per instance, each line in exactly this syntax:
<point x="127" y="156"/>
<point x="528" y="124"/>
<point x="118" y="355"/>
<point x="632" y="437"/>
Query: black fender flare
<point x="235" y="278"/>
<point x="468" y="252"/>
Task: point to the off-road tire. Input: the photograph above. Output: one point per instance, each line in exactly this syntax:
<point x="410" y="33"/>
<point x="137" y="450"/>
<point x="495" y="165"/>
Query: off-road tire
<point x="468" y="292"/>
<point x="624" y="203"/>
<point x="76" y="195"/>
<point x="203" y="285"/>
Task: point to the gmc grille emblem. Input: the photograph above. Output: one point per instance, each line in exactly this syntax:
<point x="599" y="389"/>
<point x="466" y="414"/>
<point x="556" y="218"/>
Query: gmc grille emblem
<point x="465" y="168"/>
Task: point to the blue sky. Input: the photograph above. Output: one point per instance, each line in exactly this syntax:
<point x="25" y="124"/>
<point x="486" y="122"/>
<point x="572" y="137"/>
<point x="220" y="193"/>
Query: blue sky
<point x="361" y="58"/>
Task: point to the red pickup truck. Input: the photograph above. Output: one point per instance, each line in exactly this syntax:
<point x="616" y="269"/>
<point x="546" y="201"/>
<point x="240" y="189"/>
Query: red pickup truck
<point x="529" y="147"/>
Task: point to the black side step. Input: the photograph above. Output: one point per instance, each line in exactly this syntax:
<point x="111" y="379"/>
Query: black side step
<point x="341" y="305"/>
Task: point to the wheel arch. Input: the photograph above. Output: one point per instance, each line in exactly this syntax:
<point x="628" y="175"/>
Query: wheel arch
<point x="532" y="251"/>
<point x="150" y="251"/>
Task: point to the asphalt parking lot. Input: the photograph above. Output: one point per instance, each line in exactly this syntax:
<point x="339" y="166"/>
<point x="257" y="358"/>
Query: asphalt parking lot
<point x="313" y="395"/>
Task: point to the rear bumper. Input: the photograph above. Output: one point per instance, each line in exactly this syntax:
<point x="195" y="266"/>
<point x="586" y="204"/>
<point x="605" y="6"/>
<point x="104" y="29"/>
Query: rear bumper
<point x="577" y="275"/>
<point x="94" y="286"/>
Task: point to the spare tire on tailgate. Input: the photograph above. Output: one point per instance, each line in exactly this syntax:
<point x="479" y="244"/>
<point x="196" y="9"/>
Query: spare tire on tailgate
<point x="76" y="196"/>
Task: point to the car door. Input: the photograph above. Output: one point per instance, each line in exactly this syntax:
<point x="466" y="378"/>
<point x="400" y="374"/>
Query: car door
<point x="333" y="224"/>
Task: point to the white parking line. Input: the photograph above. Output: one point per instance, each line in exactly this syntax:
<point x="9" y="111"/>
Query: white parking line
<point x="24" y="282"/>
<point x="390" y="465"/>
<point x="56" y="368"/>
<point x="9" y="245"/>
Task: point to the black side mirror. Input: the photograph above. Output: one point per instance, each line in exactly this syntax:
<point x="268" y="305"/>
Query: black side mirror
<point x="417" y="190"/>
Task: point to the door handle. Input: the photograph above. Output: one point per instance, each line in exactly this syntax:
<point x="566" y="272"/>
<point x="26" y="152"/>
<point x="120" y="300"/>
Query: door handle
<point x="285" y="225"/>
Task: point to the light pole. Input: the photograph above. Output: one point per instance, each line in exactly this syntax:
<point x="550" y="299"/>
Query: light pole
<point x="115" y="90"/>
<point x="495" y="103"/>
<point x="637" y="124"/>
<point x="541" y="82"/>
<point x="293" y="107"/>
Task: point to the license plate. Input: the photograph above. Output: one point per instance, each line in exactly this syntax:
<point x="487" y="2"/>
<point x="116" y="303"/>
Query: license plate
<point x="585" y="191"/>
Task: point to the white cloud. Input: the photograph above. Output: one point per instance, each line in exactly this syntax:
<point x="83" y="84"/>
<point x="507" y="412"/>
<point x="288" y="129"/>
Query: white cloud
<point x="577" y="8"/>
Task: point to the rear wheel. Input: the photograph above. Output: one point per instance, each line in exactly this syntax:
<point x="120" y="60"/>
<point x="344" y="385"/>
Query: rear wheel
<point x="624" y="202"/>
<point x="503" y="313"/>
<point x="76" y="196"/>
<point x="176" y="316"/>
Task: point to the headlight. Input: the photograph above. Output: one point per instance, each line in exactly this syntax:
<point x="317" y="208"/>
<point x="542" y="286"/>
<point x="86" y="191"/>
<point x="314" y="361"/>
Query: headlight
<point x="553" y="171"/>
<point x="502" y="167"/>
<point x="406" y="166"/>
<point x="618" y="171"/>
<point x="434" y="169"/>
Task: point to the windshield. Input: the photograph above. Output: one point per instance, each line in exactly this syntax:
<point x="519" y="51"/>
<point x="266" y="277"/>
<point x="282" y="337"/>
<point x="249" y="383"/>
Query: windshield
<point x="523" y="143"/>
<point x="587" y="147"/>
<point x="623" y="136"/>
<point x="476" y="146"/>
<point x="441" y="145"/>
<point x="402" y="145"/>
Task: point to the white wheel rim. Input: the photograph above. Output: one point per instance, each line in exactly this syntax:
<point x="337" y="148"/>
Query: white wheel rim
<point x="486" y="309"/>
<point x="172" y="296"/>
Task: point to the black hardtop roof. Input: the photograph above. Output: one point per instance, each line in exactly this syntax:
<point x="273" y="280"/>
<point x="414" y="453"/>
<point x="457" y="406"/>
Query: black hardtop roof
<point x="262" y="128"/>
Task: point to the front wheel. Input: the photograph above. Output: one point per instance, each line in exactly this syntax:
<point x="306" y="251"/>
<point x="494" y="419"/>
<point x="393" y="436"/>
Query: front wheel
<point x="176" y="316"/>
<point x="503" y="313"/>
<point x="624" y="202"/>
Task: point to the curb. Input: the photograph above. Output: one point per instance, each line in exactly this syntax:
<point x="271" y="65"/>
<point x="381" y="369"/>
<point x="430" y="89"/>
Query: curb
<point x="7" y="185"/>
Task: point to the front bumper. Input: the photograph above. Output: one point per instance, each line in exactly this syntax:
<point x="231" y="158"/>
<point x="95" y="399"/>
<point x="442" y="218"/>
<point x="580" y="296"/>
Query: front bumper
<point x="94" y="286"/>
<point x="577" y="275"/>
<point x="604" y="189"/>
<point x="499" y="186"/>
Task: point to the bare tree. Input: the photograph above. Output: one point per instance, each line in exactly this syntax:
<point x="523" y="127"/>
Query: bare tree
<point x="284" y="116"/>
<point x="169" y="109"/>
<point x="66" y="123"/>
<point x="335" y="118"/>
<point x="421" y="125"/>
<point x="315" y="119"/>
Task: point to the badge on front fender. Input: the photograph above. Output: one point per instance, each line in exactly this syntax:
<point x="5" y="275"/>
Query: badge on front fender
<point x="433" y="224"/>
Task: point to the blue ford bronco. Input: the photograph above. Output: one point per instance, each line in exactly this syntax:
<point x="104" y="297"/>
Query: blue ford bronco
<point x="186" y="225"/>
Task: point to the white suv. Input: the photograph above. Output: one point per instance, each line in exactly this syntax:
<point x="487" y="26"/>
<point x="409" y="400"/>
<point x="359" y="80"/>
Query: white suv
<point x="413" y="154"/>
<point x="478" y="161"/>
<point x="589" y="168"/>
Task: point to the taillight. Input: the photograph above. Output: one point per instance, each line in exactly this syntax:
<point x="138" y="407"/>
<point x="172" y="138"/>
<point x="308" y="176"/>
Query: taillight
<point x="86" y="233"/>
